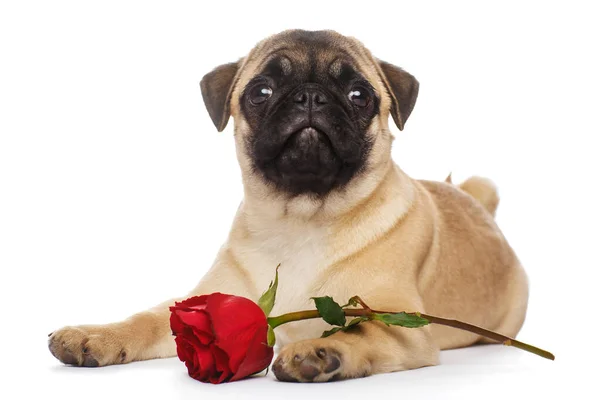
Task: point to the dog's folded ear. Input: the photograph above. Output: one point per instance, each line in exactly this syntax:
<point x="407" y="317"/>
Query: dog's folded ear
<point x="216" y="88"/>
<point x="403" y="89"/>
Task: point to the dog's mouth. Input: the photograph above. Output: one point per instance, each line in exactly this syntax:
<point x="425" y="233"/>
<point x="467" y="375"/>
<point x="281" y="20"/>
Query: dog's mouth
<point x="308" y="133"/>
<point x="307" y="151"/>
<point x="308" y="157"/>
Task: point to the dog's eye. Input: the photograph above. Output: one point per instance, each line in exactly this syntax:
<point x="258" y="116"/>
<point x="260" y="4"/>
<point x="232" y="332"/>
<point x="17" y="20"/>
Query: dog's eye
<point x="259" y="94"/>
<point x="359" y="96"/>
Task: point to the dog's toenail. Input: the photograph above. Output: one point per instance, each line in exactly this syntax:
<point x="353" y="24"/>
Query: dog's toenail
<point x="321" y="353"/>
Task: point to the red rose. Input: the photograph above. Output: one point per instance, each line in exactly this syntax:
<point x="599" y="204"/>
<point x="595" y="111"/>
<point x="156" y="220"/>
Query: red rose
<point x="220" y="337"/>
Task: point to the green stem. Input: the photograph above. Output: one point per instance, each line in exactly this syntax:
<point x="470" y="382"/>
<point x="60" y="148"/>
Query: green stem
<point x="309" y="314"/>
<point x="355" y="312"/>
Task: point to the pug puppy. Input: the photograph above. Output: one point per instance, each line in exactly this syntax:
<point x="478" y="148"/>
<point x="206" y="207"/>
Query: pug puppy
<point x="323" y="198"/>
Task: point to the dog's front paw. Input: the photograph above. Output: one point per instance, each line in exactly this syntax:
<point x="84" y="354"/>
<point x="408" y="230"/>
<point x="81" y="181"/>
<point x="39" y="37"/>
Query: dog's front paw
<point x="310" y="361"/>
<point x="88" y="346"/>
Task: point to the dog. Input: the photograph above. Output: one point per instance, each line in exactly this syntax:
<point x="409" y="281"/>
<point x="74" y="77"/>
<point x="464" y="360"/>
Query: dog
<point x="323" y="198"/>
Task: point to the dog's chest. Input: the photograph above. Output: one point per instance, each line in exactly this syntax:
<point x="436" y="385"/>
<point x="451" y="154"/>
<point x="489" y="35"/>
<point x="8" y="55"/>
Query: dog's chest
<point x="301" y="251"/>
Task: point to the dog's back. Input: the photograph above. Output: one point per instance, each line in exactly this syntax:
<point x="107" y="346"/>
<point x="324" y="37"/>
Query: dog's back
<point x="475" y="275"/>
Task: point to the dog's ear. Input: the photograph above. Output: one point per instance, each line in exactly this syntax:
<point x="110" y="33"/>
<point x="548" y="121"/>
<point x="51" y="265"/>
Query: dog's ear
<point x="403" y="89"/>
<point x="216" y="89"/>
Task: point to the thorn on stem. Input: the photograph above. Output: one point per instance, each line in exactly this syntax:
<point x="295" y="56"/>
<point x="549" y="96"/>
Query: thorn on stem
<point x="361" y="302"/>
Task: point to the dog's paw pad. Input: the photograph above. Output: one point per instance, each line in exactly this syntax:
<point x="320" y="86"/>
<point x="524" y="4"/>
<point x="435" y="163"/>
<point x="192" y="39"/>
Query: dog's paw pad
<point x="301" y="362"/>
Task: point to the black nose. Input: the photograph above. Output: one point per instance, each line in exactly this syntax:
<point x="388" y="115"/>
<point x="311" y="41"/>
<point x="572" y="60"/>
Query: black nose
<point x="310" y="98"/>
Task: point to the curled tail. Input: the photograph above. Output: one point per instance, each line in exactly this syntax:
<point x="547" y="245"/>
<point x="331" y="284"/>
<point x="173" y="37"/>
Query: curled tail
<point x="482" y="189"/>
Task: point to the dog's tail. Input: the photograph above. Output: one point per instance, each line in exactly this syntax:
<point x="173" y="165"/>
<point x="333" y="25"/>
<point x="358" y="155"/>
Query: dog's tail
<point x="482" y="189"/>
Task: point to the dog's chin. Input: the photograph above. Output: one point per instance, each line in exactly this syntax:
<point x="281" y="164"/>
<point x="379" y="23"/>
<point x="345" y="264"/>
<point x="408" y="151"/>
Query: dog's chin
<point x="306" y="164"/>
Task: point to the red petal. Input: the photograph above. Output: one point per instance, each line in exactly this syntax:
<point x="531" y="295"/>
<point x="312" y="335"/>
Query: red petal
<point x="198" y="322"/>
<point x="196" y="301"/>
<point x="187" y="353"/>
<point x="235" y="321"/>
<point x="221" y="364"/>
<point x="258" y="357"/>
<point x="197" y="357"/>
<point x="193" y="303"/>
<point x="177" y="326"/>
<point x="184" y="349"/>
<point x="206" y="363"/>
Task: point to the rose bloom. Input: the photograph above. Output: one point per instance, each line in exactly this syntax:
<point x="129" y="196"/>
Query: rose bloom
<point x="221" y="337"/>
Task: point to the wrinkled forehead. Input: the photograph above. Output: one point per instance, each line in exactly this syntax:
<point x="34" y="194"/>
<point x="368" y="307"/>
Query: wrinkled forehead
<point x="308" y="53"/>
<point x="310" y="56"/>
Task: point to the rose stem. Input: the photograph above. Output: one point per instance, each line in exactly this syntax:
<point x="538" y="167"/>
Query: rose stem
<point x="356" y="312"/>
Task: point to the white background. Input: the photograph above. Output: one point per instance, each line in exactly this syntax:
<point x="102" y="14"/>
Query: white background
<point x="116" y="190"/>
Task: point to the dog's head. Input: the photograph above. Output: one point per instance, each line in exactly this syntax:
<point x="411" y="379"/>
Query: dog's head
<point x="310" y="110"/>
